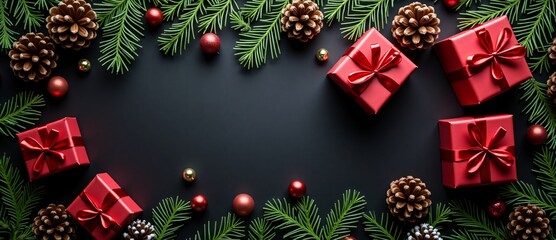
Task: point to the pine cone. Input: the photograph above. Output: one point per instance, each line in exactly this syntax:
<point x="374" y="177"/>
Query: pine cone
<point x="302" y="20"/>
<point x="552" y="52"/>
<point x="551" y="87"/>
<point x="408" y="199"/>
<point x="140" y="230"/>
<point x="33" y="57"/>
<point x="529" y="222"/>
<point x="53" y="222"/>
<point x="422" y="232"/>
<point x="72" y="24"/>
<point x="416" y="26"/>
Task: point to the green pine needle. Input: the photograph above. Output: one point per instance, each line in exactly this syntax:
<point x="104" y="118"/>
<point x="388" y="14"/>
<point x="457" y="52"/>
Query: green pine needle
<point x="176" y="38"/>
<point x="20" y="111"/>
<point x="344" y="216"/>
<point x="230" y="227"/>
<point x="26" y="13"/>
<point x="539" y="108"/>
<point x="540" y="63"/>
<point x="381" y="229"/>
<point x="169" y="216"/>
<point x="254" y="46"/>
<point x="545" y="168"/>
<point x="217" y="15"/>
<point x="260" y="229"/>
<point x="123" y="27"/>
<point x="462" y="234"/>
<point x="159" y="2"/>
<point x="173" y="8"/>
<point x="366" y="14"/>
<point x="474" y="218"/>
<point x="535" y="30"/>
<point x="338" y="9"/>
<point x="7" y="35"/>
<point x="466" y="3"/>
<point x="440" y="214"/>
<point x="300" y="222"/>
<point x="496" y="8"/>
<point x="521" y="193"/>
<point x="239" y="23"/>
<point x="19" y="199"/>
<point x="256" y="9"/>
<point x="45" y="4"/>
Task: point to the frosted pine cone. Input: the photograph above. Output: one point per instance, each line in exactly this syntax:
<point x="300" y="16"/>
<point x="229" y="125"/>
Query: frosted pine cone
<point x="140" y="230"/>
<point x="423" y="231"/>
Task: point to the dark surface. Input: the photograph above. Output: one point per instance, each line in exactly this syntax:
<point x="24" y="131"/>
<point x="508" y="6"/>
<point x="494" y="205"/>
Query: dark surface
<point x="255" y="131"/>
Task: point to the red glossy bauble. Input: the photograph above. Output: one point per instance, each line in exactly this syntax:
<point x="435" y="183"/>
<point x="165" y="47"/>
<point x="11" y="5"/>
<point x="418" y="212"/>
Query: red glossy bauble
<point x="451" y="3"/>
<point x="496" y="208"/>
<point x="349" y="238"/>
<point x="199" y="203"/>
<point x="154" y="16"/>
<point x="57" y="86"/>
<point x="536" y="134"/>
<point x="210" y="43"/>
<point x="297" y="189"/>
<point x="243" y="204"/>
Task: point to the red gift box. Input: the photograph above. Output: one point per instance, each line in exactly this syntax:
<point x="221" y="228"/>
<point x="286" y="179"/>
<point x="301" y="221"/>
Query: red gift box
<point x="477" y="151"/>
<point x="52" y="148"/>
<point x="103" y="208"/>
<point x="484" y="61"/>
<point x="371" y="71"/>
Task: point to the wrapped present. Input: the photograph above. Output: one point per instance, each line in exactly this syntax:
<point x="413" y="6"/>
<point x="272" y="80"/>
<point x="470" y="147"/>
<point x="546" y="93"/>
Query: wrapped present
<point x="477" y="151"/>
<point x="484" y="61"/>
<point x="103" y="208"/>
<point x="371" y="71"/>
<point x="52" y="148"/>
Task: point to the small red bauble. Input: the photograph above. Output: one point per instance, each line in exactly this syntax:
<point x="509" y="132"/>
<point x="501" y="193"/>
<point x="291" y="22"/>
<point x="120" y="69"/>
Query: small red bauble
<point x="451" y="3"/>
<point x="154" y="16"/>
<point x="297" y="189"/>
<point x="57" y="86"/>
<point x="210" y="43"/>
<point x="349" y="238"/>
<point x="199" y="203"/>
<point x="243" y="204"/>
<point x="536" y="134"/>
<point x="496" y="208"/>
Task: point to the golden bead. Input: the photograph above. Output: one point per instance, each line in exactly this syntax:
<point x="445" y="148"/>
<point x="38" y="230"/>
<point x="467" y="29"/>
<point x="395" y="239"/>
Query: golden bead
<point x="189" y="175"/>
<point x="322" y="55"/>
<point x="84" y="65"/>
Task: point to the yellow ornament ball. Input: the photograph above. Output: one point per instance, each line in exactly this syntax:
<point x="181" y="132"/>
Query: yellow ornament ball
<point x="189" y="175"/>
<point x="322" y="54"/>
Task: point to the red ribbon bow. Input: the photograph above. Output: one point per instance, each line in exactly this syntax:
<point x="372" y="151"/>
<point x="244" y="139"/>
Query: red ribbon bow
<point x="95" y="212"/>
<point x="374" y="68"/>
<point x="484" y="150"/>
<point x="49" y="150"/>
<point x="495" y="53"/>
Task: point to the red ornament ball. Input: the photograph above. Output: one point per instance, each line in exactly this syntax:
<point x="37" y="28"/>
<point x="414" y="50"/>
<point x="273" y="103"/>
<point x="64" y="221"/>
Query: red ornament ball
<point x="243" y="204"/>
<point x="57" y="86"/>
<point x="154" y="16"/>
<point x="536" y="134"/>
<point x="210" y="43"/>
<point x="451" y="3"/>
<point x="297" y="189"/>
<point x="349" y="238"/>
<point x="496" y="208"/>
<point x="199" y="203"/>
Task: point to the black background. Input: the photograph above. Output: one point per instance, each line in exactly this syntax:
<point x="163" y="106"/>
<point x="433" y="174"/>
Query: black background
<point x="254" y="131"/>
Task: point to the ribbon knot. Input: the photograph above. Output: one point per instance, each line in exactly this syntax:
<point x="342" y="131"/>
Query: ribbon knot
<point x="96" y="213"/>
<point x="48" y="151"/>
<point x="484" y="150"/>
<point x="373" y="68"/>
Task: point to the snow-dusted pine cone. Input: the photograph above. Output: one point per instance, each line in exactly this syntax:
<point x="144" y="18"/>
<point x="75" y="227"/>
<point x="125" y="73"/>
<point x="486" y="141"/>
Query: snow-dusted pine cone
<point x="33" y="57"/>
<point x="72" y="24"/>
<point x="53" y="223"/>
<point x="302" y="20"/>
<point x="140" y="230"/>
<point x="416" y="26"/>
<point x="408" y="199"/>
<point x="529" y="222"/>
<point x="423" y="231"/>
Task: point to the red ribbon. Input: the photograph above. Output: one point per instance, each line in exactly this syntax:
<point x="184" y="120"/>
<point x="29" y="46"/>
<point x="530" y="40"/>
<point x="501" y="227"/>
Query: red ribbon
<point x="373" y="68"/>
<point x="50" y="151"/>
<point x="91" y="217"/>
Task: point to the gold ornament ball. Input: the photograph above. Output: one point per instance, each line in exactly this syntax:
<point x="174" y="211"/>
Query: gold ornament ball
<point x="189" y="175"/>
<point x="84" y="65"/>
<point x="322" y="55"/>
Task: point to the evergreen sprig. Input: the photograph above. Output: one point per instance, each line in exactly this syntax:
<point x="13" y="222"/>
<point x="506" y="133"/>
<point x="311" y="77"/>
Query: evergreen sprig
<point x="19" y="200"/>
<point x="463" y="234"/>
<point x="545" y="168"/>
<point x="521" y="193"/>
<point x="230" y="227"/>
<point x="169" y="216"/>
<point x="176" y="38"/>
<point x="344" y="216"/>
<point x="45" y="4"/>
<point x="496" y="8"/>
<point x="7" y="35"/>
<point x="25" y="12"/>
<point x="20" y="111"/>
<point x="260" y="229"/>
<point x="540" y="63"/>
<point x="121" y="22"/>
<point x="471" y="216"/>
<point x="381" y="228"/>
<point x="535" y="29"/>
<point x="216" y="16"/>
<point x="255" y="9"/>
<point x="239" y="22"/>
<point x="466" y="3"/>
<point x="173" y="8"/>
<point x="440" y="214"/>
<point x="539" y="108"/>
<point x="366" y="14"/>
<point x="338" y="9"/>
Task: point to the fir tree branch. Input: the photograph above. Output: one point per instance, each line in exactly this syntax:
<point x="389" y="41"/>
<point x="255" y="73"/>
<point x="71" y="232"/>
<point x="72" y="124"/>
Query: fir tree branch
<point x="344" y="216"/>
<point x="260" y="229"/>
<point x="471" y="216"/>
<point x="169" y="216"/>
<point x="45" y="4"/>
<point x="545" y="168"/>
<point x="489" y="11"/>
<point x="539" y="108"/>
<point x="239" y="23"/>
<point x="463" y="234"/>
<point x="301" y="222"/>
<point x="381" y="229"/>
<point x="25" y="12"/>
<point x="19" y="111"/>
<point x="338" y="9"/>
<point x="217" y="15"/>
<point x="521" y="193"/>
<point x="7" y="35"/>
<point x="176" y="38"/>
<point x="255" y="9"/>
<point x="540" y="63"/>
<point x="123" y="28"/>
<point x="230" y="228"/>
<point x="173" y="8"/>
<point x="159" y="3"/>
<point x="535" y="30"/>
<point x="366" y="14"/>
<point x="466" y="3"/>
<point x="440" y="214"/>
<point x="254" y="46"/>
